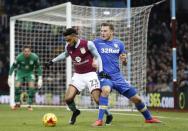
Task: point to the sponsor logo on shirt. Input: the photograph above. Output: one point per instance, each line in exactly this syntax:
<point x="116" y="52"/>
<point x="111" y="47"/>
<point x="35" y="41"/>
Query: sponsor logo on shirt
<point x="109" y="50"/>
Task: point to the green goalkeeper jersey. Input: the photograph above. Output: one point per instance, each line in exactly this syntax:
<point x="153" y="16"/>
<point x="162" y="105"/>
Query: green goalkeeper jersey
<point x="26" y="66"/>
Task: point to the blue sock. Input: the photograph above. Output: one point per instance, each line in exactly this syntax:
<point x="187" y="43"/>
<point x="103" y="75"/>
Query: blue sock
<point x="143" y="109"/>
<point x="103" y="105"/>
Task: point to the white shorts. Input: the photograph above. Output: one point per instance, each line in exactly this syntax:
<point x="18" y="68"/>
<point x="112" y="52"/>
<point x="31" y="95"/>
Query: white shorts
<point x="81" y="81"/>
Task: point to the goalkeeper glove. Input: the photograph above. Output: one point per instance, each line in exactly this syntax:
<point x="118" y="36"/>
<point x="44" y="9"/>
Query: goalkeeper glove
<point x="47" y="65"/>
<point x="10" y="80"/>
<point x="102" y="74"/>
<point x="39" y="83"/>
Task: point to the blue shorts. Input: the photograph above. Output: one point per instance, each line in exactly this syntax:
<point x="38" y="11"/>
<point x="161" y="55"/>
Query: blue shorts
<point x="118" y="83"/>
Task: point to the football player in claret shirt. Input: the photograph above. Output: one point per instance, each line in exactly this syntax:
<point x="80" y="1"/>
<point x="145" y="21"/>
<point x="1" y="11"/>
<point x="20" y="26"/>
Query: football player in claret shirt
<point x="82" y="53"/>
<point x="25" y="65"/>
<point x="111" y="50"/>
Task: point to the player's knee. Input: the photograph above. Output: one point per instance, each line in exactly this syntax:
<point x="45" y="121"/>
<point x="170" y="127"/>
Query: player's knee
<point x="136" y="99"/>
<point x="105" y="91"/>
<point x="18" y="84"/>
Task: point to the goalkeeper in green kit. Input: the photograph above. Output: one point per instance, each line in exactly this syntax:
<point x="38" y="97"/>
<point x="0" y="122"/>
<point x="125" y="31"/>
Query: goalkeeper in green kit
<point x="25" y="65"/>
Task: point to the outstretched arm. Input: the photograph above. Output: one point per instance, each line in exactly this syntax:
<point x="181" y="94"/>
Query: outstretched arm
<point x="96" y="55"/>
<point x="61" y="56"/>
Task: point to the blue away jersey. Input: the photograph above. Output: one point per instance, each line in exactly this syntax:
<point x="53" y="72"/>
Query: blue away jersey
<point x="109" y="52"/>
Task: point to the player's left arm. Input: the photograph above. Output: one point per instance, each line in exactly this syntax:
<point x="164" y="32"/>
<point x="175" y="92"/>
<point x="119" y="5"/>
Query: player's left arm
<point x="38" y="66"/>
<point x="123" y="54"/>
<point x="96" y="55"/>
<point x="39" y="72"/>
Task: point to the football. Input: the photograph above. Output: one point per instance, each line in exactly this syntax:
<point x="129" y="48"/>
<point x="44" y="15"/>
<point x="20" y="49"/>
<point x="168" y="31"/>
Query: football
<point x="49" y="120"/>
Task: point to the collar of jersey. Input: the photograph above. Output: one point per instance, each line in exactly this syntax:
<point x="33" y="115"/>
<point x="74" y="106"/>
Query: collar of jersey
<point x="77" y="44"/>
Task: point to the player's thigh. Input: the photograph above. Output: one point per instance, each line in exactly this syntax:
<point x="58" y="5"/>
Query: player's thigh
<point x="31" y="84"/>
<point x="131" y="94"/>
<point x="18" y="81"/>
<point x="71" y="93"/>
<point x="30" y="79"/>
<point x="78" y="82"/>
<point x="95" y="95"/>
<point x="18" y="84"/>
<point x="92" y="81"/>
<point x="124" y="87"/>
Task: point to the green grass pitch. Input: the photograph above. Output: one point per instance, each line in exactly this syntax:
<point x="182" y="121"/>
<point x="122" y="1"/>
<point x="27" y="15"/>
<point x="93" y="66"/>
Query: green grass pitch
<point x="24" y="120"/>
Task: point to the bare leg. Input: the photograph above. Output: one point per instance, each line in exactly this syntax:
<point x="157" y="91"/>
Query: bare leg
<point x="69" y="99"/>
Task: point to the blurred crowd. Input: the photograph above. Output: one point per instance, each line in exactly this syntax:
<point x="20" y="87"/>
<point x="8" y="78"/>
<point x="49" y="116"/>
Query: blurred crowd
<point x="159" y="62"/>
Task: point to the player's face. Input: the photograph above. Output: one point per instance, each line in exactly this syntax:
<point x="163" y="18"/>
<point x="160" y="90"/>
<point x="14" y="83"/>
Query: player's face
<point x="26" y="52"/>
<point x="106" y="33"/>
<point x="70" y="39"/>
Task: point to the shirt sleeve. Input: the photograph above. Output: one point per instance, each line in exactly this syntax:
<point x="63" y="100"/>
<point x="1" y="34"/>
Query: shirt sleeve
<point x="122" y="48"/>
<point x="61" y="56"/>
<point x="37" y="64"/>
<point x="39" y="68"/>
<point x="12" y="68"/>
<point x="14" y="65"/>
<point x="96" y="55"/>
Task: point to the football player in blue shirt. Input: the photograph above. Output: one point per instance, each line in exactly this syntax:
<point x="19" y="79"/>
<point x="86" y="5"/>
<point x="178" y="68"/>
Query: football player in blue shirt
<point x="111" y="50"/>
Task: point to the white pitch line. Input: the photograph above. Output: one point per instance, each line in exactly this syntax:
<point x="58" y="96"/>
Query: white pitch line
<point x="177" y="118"/>
<point x="123" y="114"/>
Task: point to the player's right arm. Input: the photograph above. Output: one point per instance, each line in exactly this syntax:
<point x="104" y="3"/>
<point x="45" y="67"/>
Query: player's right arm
<point x="15" y="64"/>
<point x="12" y="68"/>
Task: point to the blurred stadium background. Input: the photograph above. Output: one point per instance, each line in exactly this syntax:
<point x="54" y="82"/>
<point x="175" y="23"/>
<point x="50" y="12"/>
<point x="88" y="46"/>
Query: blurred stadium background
<point x="159" y="60"/>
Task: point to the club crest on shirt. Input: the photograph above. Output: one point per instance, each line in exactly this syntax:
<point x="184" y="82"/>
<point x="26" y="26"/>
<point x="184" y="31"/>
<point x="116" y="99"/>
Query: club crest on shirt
<point x="77" y="59"/>
<point x="83" y="50"/>
<point x="116" y="45"/>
